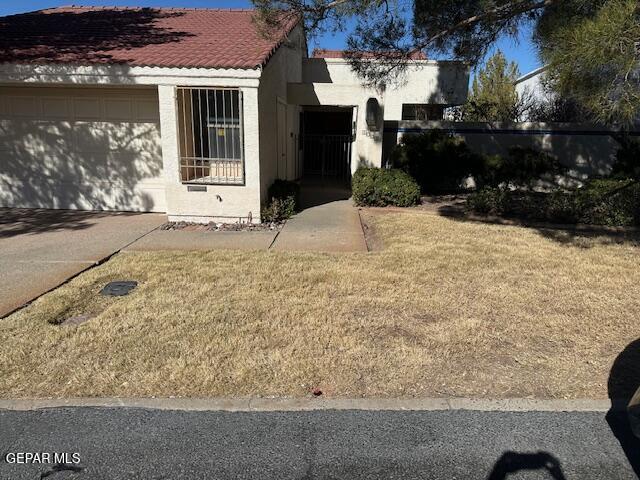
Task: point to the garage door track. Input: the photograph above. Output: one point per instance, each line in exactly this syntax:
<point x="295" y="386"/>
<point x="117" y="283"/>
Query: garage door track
<point x="40" y="249"/>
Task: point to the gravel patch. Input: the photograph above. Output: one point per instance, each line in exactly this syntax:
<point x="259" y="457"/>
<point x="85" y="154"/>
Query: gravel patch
<point x="223" y="227"/>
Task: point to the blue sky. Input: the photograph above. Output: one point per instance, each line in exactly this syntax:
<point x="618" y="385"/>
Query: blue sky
<point x="521" y="52"/>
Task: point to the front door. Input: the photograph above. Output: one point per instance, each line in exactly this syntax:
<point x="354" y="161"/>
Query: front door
<point x="327" y="143"/>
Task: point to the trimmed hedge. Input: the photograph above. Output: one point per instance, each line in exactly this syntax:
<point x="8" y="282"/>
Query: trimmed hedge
<point x="600" y="202"/>
<point x="381" y="187"/>
<point x="283" y="201"/>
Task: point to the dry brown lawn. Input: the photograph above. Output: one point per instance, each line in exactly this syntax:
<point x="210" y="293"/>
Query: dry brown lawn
<point x="447" y="308"/>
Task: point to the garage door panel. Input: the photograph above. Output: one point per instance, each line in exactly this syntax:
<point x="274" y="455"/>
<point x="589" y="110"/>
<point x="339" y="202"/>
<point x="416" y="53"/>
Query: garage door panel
<point x="81" y="150"/>
<point x="28" y="137"/>
<point x="4" y="107"/>
<point x="133" y="138"/>
<point x="147" y="110"/>
<point x="24" y="107"/>
<point x="48" y="192"/>
<point x="87" y="108"/>
<point x="143" y="138"/>
<point x="57" y="108"/>
<point x="91" y="137"/>
<point x="119" y="110"/>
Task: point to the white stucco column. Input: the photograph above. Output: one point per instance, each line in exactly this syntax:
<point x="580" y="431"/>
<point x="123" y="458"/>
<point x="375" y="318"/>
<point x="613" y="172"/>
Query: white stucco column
<point x="251" y="130"/>
<point x="169" y="133"/>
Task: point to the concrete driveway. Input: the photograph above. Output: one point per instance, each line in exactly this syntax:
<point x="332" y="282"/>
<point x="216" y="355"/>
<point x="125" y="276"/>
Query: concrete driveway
<point x="40" y="249"/>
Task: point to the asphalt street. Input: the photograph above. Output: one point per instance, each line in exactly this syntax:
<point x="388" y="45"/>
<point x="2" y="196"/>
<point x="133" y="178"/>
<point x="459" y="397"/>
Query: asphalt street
<point x="130" y="443"/>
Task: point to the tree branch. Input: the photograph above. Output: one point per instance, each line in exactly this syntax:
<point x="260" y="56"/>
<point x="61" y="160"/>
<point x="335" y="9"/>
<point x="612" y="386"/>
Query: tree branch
<point x="503" y="12"/>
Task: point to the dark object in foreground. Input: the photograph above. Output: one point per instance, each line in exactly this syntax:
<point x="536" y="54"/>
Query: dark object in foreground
<point x="118" y="289"/>
<point x="513" y="462"/>
<point x="633" y="410"/>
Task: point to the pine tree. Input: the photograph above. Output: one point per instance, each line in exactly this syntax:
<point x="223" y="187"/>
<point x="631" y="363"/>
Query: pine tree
<point x="493" y="96"/>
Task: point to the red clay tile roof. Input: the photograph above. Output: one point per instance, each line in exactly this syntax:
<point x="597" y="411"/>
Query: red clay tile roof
<point x="322" y="53"/>
<point x="162" y="37"/>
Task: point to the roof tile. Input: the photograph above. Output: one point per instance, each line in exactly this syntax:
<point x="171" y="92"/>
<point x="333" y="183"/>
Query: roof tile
<point x="162" y="37"/>
<point x="324" y="53"/>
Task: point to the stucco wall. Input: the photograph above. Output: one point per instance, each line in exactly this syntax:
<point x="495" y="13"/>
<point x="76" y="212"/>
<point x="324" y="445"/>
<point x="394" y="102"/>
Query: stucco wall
<point x="332" y="82"/>
<point x="585" y="149"/>
<point x="285" y="66"/>
<point x="218" y="203"/>
<point x="227" y="203"/>
<point x="367" y="146"/>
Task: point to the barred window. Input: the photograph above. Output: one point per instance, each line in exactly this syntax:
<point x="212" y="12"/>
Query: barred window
<point x="211" y="135"/>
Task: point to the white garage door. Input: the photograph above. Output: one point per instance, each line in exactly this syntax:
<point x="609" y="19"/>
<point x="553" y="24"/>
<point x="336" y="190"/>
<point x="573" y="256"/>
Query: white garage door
<point x="80" y="148"/>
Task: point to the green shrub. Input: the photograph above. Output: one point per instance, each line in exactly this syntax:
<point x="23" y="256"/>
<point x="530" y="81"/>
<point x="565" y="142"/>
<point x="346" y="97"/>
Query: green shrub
<point x="524" y="167"/>
<point x="627" y="164"/>
<point x="284" y="189"/>
<point x="599" y="202"/>
<point x="488" y="171"/>
<point x="441" y="163"/>
<point x="438" y="161"/>
<point x="559" y="207"/>
<point x="278" y="210"/>
<point x="488" y="200"/>
<point x="283" y="201"/>
<point x="609" y="202"/>
<point x="381" y="187"/>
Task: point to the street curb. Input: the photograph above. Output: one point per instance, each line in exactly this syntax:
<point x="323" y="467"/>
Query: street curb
<point x="261" y="404"/>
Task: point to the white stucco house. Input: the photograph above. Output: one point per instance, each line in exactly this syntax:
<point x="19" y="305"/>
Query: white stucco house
<point x="192" y="112"/>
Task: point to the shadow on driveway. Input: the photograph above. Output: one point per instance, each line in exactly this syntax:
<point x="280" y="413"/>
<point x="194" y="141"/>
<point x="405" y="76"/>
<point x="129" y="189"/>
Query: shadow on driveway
<point x="41" y="249"/>
<point x="24" y="221"/>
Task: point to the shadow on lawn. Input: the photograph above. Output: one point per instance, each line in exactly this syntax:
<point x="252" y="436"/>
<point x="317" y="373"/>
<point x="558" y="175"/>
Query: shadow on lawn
<point x="571" y="235"/>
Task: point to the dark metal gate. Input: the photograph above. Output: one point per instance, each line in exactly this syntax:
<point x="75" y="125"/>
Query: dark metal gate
<point x="327" y="156"/>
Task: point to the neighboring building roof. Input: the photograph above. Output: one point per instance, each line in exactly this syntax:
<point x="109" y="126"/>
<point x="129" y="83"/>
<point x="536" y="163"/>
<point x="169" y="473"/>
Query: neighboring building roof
<point x="323" y="53"/>
<point x="532" y="73"/>
<point x="162" y="37"/>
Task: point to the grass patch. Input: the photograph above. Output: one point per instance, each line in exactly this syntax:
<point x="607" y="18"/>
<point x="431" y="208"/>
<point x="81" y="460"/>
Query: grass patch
<point x="447" y="308"/>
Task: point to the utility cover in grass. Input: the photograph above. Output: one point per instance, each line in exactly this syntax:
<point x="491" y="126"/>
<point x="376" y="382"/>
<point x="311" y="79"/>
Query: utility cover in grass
<point x="118" y="289"/>
<point x="77" y="320"/>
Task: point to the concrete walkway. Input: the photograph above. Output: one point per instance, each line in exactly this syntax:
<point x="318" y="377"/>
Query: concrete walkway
<point x="333" y="227"/>
<point x="203" y="240"/>
<point x="41" y="249"/>
<point x="329" y="222"/>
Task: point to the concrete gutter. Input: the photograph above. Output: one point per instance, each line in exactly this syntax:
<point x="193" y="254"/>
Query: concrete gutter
<point x="260" y="404"/>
